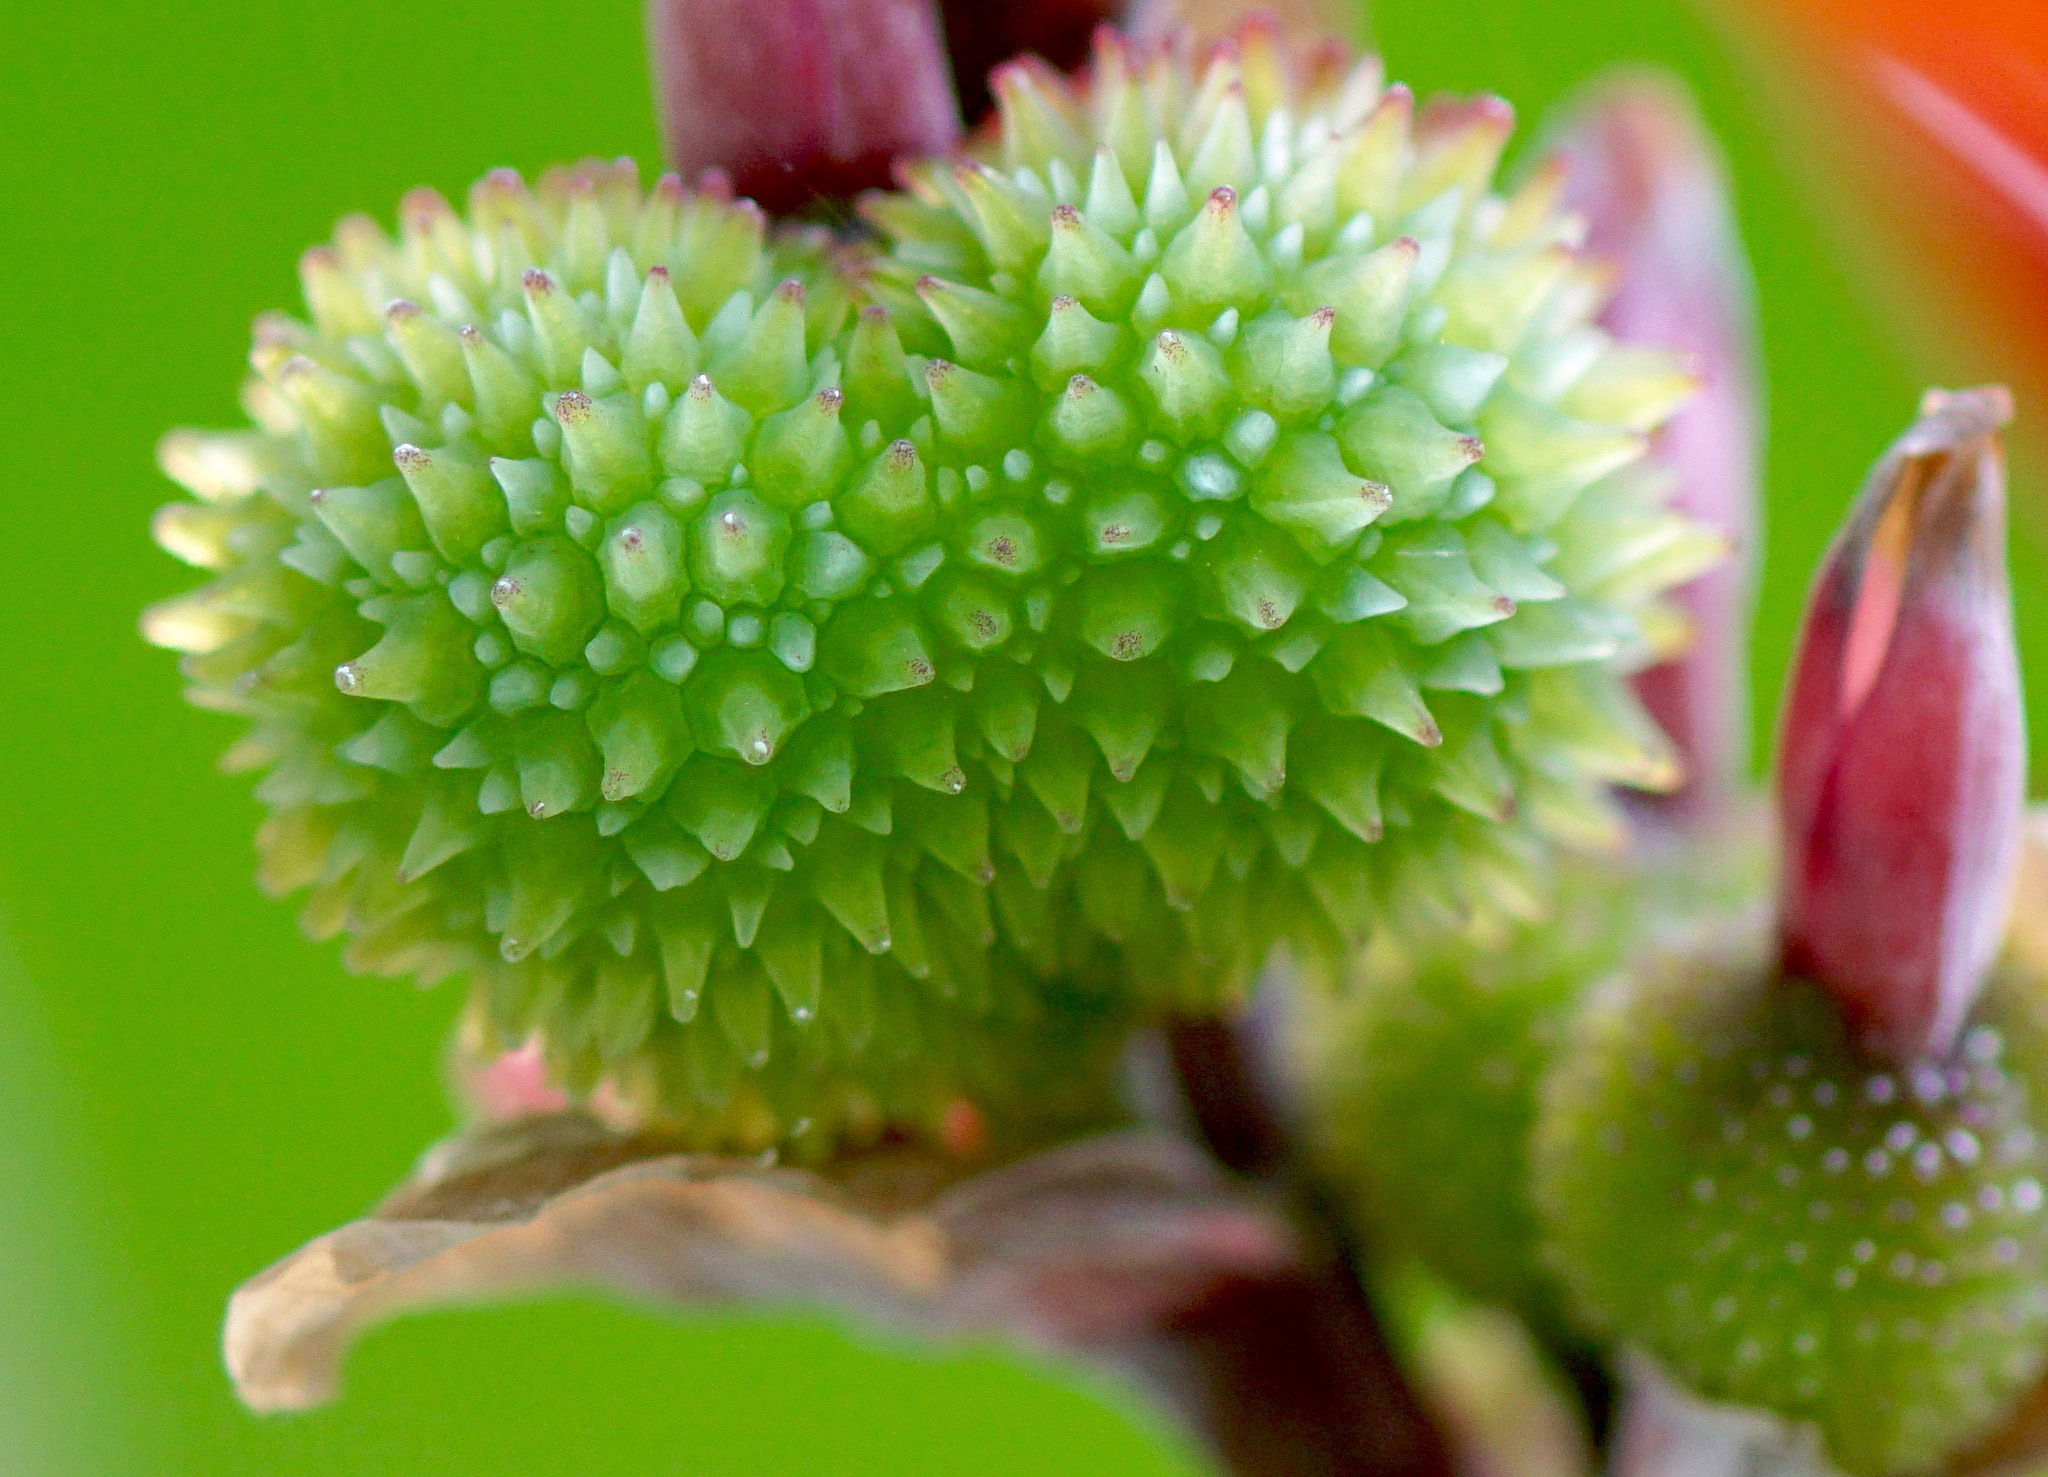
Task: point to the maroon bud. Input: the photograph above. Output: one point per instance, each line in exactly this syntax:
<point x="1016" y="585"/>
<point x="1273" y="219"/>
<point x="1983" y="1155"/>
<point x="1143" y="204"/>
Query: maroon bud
<point x="800" y="101"/>
<point x="1641" y="168"/>
<point x="1902" y="750"/>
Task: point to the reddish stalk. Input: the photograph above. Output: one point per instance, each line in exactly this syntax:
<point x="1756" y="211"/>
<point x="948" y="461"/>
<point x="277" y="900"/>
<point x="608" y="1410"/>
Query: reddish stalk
<point x="1289" y="1375"/>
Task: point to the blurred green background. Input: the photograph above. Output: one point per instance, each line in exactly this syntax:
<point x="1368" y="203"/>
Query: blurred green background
<point x="187" y="1090"/>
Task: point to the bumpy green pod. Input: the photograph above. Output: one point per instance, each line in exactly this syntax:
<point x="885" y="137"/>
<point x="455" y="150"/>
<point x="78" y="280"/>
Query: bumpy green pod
<point x="1426" y="1074"/>
<point x="1144" y="575"/>
<point x="1426" y="1080"/>
<point x="1727" y="1182"/>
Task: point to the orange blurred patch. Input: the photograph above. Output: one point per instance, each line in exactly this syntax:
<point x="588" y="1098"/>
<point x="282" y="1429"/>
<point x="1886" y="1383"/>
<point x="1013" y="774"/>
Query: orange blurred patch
<point x="1936" y="119"/>
<point x="963" y="1129"/>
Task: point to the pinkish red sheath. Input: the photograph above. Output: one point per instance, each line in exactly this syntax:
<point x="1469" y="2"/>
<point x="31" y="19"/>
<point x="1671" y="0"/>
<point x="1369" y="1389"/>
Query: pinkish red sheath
<point x="1902" y="752"/>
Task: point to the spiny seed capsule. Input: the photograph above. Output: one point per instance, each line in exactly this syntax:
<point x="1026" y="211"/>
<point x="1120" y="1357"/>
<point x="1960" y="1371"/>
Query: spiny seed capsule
<point x="1846" y="1243"/>
<point x="1257" y="457"/>
<point x="522" y="583"/>
<point x="1121" y="590"/>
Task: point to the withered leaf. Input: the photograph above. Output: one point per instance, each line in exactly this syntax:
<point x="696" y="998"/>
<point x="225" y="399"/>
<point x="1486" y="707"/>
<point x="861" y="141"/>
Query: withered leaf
<point x="1084" y="1247"/>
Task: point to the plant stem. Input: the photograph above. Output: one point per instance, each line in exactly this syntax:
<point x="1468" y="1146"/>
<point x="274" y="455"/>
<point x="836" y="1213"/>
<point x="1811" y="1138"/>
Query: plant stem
<point x="1593" y="1382"/>
<point x="1289" y="1375"/>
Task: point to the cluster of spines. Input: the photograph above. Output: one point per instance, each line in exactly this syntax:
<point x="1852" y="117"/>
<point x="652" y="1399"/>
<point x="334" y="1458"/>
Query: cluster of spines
<point x="721" y="633"/>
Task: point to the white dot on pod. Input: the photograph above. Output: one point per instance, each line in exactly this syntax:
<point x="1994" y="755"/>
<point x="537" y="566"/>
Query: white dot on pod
<point x="2005" y="1251"/>
<point x="1824" y="1094"/>
<point x="1805" y="1342"/>
<point x="1864" y="1251"/>
<point x="1845" y="1278"/>
<point x="1781" y="1096"/>
<point x="1927" y="1161"/>
<point x="1703" y="1190"/>
<point x="1962" y="1145"/>
<point x="1982" y="1045"/>
<point x="1877" y="1164"/>
<point x="1835" y="1160"/>
<point x="2026" y="1196"/>
<point x="1955" y="1215"/>
<point x="1881" y="1088"/>
<point x="1902" y="1265"/>
<point x="1795" y="1253"/>
<point x="1990" y="1198"/>
<point x="1900" y="1136"/>
<point x="1799" y="1126"/>
<point x="1723" y="1310"/>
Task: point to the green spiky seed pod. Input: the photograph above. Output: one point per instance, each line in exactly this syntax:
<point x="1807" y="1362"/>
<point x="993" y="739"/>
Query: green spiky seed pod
<point x="1122" y="589"/>
<point x="1425" y="1076"/>
<point x="534" y="665"/>
<point x="1267" y="418"/>
<point x="1731" y="1185"/>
